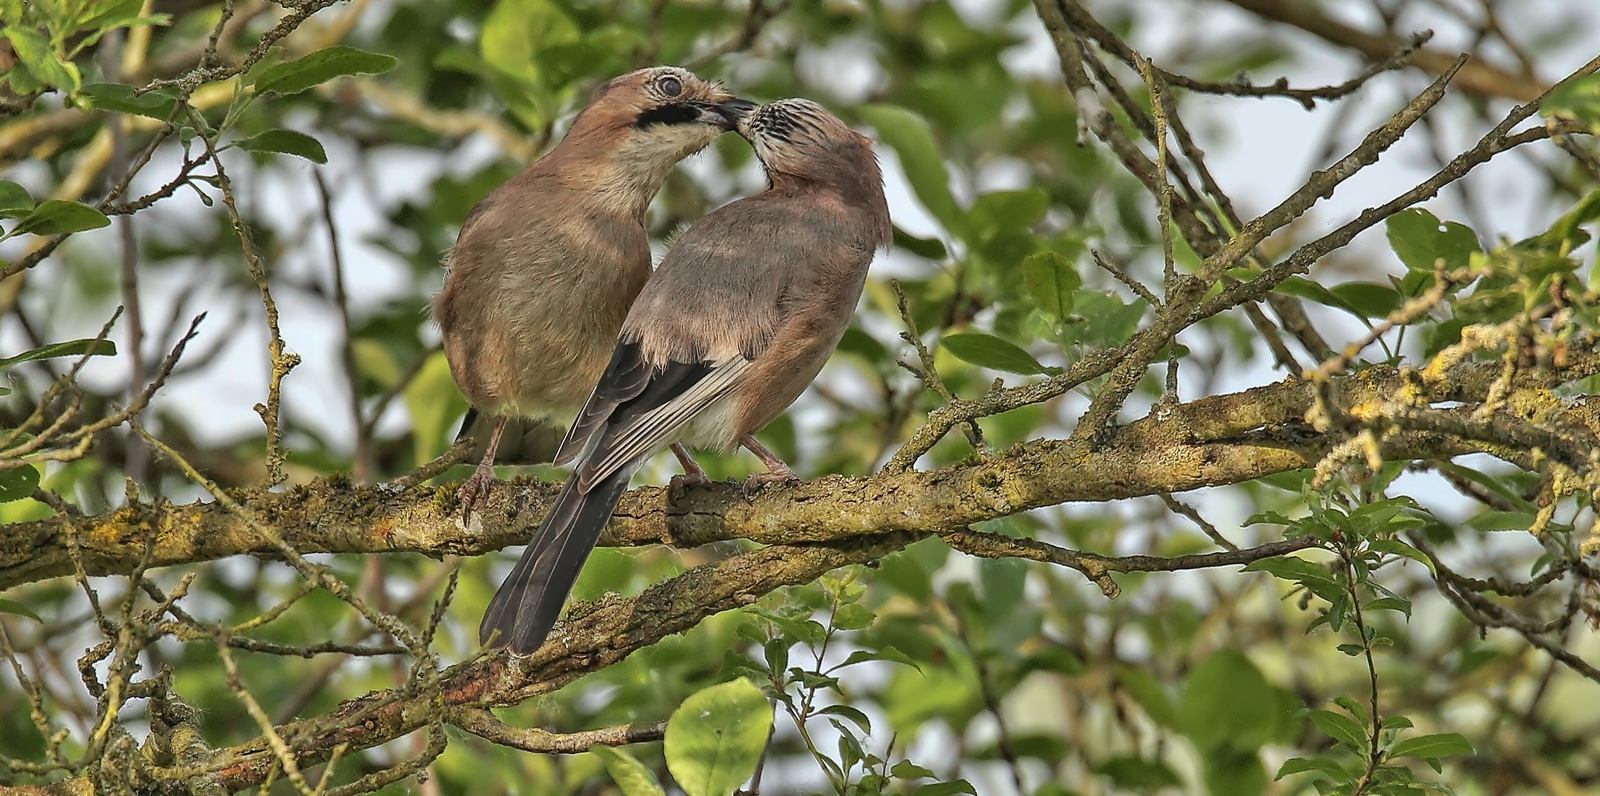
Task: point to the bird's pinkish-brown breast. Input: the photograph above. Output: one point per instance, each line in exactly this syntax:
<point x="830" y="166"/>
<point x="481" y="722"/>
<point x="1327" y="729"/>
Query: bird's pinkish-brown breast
<point x="539" y="285"/>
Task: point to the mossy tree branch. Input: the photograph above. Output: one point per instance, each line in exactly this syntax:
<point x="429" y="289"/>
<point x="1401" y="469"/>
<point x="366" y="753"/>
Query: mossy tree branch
<point x="1212" y="441"/>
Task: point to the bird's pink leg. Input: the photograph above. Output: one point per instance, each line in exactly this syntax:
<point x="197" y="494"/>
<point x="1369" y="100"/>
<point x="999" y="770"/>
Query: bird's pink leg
<point x="777" y="469"/>
<point x="693" y="473"/>
<point x="483" y="476"/>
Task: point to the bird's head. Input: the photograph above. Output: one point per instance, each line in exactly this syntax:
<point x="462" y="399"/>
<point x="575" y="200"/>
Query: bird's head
<point x="799" y="142"/>
<point x="645" y="121"/>
<point x="799" y="138"/>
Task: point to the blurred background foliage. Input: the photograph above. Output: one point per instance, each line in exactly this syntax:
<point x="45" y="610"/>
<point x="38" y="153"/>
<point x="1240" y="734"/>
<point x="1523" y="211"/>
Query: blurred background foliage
<point x="931" y="672"/>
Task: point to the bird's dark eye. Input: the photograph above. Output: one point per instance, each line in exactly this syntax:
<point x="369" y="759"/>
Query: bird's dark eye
<point x="669" y="85"/>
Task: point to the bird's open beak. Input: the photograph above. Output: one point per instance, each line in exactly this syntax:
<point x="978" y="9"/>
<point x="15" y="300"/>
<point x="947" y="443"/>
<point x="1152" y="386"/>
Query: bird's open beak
<point x="733" y="110"/>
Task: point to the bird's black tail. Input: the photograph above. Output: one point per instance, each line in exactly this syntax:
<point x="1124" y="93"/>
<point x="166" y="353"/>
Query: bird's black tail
<point x="467" y="422"/>
<point x="528" y="602"/>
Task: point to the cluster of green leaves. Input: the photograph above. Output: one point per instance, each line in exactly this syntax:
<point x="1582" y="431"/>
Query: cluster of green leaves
<point x="855" y="770"/>
<point x="536" y="53"/>
<point x="51" y="36"/>
<point x="50" y="217"/>
<point x="1044" y="299"/>
<point x="1488" y="287"/>
<point x="18" y="478"/>
<point x="1365" y="530"/>
<point x="714" y="742"/>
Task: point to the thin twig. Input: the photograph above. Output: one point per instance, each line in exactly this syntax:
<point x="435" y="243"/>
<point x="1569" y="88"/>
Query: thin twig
<point x="361" y="463"/>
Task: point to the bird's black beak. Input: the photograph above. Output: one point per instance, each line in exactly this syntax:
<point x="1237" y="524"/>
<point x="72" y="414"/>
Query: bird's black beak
<point x="733" y="110"/>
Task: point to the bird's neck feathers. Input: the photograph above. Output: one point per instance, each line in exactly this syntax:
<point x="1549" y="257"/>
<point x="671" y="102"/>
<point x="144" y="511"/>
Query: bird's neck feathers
<point x="619" y="169"/>
<point x="852" y="174"/>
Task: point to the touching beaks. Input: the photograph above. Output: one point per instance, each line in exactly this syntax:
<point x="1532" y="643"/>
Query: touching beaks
<point x="733" y="110"/>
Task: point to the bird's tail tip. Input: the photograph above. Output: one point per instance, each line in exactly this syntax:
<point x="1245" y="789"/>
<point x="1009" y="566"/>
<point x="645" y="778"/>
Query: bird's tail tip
<point x="512" y="625"/>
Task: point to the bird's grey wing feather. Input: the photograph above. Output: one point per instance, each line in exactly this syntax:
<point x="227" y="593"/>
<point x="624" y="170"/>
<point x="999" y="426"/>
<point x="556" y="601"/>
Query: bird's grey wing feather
<point x="644" y="426"/>
<point x="624" y="379"/>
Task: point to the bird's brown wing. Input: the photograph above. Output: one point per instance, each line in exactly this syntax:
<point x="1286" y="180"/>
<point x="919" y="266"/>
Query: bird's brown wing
<point x="671" y="398"/>
<point x="625" y="377"/>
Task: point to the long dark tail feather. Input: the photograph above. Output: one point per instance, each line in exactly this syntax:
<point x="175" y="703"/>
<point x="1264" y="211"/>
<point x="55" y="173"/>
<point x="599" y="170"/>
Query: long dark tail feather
<point x="526" y="607"/>
<point x="466" y="423"/>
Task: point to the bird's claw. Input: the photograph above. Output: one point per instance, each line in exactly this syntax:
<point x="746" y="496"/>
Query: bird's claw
<point x="473" y="489"/>
<point x="756" y="481"/>
<point x="680" y="484"/>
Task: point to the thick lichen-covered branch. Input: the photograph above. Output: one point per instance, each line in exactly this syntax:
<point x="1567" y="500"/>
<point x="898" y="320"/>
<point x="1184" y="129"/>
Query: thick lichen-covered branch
<point x="1212" y="441"/>
<point x="594" y="635"/>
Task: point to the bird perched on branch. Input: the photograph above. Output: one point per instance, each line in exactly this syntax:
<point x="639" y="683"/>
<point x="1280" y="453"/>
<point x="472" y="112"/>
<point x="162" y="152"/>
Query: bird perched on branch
<point x="547" y="265"/>
<point x="740" y="317"/>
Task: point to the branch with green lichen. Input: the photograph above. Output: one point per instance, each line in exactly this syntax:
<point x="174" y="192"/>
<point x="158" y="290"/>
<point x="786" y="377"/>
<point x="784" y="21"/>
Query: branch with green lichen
<point x="1212" y="441"/>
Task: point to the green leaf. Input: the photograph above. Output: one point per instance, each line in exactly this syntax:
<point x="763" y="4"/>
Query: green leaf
<point x="1007" y="211"/>
<point x="926" y="248"/>
<point x="1502" y="521"/>
<point x="1300" y="287"/>
<point x="60" y="217"/>
<point x="287" y="142"/>
<point x="110" y="13"/>
<point x="1342" y="729"/>
<point x="911" y="139"/>
<point x="1491" y="483"/>
<point x="1369" y="299"/>
<point x="34" y="50"/>
<point x="1226" y="703"/>
<point x="1107" y="320"/>
<point x="1355" y="708"/>
<point x="517" y="30"/>
<point x="632" y="778"/>
<point x="320" y="67"/>
<point x="435" y="405"/>
<point x="1321" y="765"/>
<point x="14" y="607"/>
<point x="1235" y="772"/>
<point x="18" y="483"/>
<point x="1443" y="335"/>
<point x="988" y="351"/>
<point x="905" y="769"/>
<point x="1317" y="579"/>
<point x="1390" y="604"/>
<point x="1052" y="283"/>
<point x="120" y="98"/>
<point x="1395" y="547"/>
<point x="804" y="630"/>
<point x="885" y="654"/>
<point x="1290" y="480"/>
<point x="905" y="574"/>
<point x="945" y="789"/>
<point x="1567" y="228"/>
<point x="1059" y="660"/>
<point x="855" y="716"/>
<point x="1579" y="99"/>
<point x="1432" y="747"/>
<point x="852" y="617"/>
<point x="1419" y="238"/>
<point x="715" y="738"/>
<point x="1138" y="774"/>
<point x="15" y="202"/>
<point x="1147" y="691"/>
<point x="855" y="341"/>
<point x="70" y="348"/>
